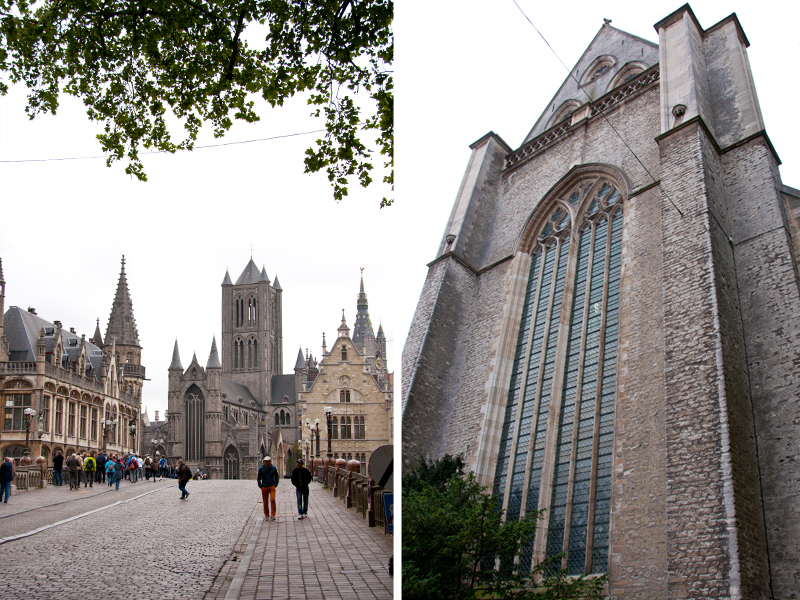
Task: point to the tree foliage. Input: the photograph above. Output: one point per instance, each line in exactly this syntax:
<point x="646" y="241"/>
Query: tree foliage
<point x="454" y="536"/>
<point x="139" y="67"/>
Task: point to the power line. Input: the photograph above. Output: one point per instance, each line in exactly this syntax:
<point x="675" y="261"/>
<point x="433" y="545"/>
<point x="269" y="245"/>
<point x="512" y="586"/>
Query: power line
<point x="276" y="137"/>
<point x="597" y="108"/>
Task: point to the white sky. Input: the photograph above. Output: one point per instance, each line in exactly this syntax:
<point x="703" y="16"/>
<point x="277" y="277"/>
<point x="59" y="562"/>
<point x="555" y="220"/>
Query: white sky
<point x="463" y="68"/>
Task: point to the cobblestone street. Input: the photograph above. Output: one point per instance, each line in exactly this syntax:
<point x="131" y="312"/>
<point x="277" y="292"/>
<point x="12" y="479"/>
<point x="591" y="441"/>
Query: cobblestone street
<point x="142" y="542"/>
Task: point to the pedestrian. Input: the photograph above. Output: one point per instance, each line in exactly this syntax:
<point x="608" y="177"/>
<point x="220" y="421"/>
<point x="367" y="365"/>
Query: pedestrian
<point x="147" y="467"/>
<point x="139" y="467"/>
<point x="132" y="466"/>
<point x="268" y="480"/>
<point x="301" y="477"/>
<point x="162" y="466"/>
<point x="6" y="477"/>
<point x="110" y="471"/>
<point x="119" y="470"/>
<point x="184" y="475"/>
<point x="58" y="465"/>
<point x="101" y="467"/>
<point x="73" y="462"/>
<point x="89" y="468"/>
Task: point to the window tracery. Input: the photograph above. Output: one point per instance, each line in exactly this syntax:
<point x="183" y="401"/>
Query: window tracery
<point x="563" y="378"/>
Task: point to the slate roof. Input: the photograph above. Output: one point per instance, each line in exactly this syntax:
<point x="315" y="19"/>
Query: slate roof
<point x="283" y="385"/>
<point x="22" y="329"/>
<point x="213" y="357"/>
<point x="176" y="359"/>
<point x="233" y="391"/>
<point x="251" y="274"/>
<point x="363" y="325"/>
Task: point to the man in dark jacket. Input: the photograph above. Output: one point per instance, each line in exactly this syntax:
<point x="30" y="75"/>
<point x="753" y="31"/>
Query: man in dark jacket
<point x="184" y="475"/>
<point x="301" y="477"/>
<point x="6" y="477"/>
<point x="268" y="480"/>
<point x="58" y="465"/>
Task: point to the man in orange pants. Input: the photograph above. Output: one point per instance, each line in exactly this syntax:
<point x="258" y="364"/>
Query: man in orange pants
<point x="268" y="480"/>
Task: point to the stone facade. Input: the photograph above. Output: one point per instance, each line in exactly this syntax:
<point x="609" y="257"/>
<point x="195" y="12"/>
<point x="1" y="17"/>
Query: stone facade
<point x="86" y="393"/>
<point x="353" y="379"/>
<point x="654" y="416"/>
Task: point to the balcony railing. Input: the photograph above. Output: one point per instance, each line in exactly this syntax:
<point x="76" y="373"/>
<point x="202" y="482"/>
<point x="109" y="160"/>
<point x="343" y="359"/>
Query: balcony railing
<point x="18" y="367"/>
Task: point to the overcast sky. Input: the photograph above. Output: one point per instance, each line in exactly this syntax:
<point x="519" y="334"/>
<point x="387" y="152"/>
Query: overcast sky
<point x="463" y="68"/>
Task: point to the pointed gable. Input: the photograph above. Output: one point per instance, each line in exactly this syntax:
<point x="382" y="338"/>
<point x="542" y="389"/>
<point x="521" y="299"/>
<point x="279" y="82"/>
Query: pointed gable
<point x="251" y="274"/>
<point x="121" y="324"/>
<point x="611" y="58"/>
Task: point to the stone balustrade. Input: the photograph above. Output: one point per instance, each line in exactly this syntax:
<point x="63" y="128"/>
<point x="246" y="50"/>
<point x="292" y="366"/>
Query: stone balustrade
<point x="355" y="490"/>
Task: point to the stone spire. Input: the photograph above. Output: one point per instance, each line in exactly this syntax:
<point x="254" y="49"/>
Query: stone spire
<point x="213" y="358"/>
<point x="362" y="330"/>
<point x="251" y="274"/>
<point x="264" y="276"/>
<point x="227" y="280"/>
<point x="121" y="321"/>
<point x="175" y="365"/>
<point x="97" y="338"/>
<point x="301" y="361"/>
<point x="277" y="284"/>
<point x="344" y="330"/>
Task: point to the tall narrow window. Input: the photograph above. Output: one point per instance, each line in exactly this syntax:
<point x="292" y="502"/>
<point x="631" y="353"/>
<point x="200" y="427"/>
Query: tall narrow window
<point x="84" y="411"/>
<point x="59" y="427"/>
<point x="93" y="430"/>
<point x="195" y="424"/>
<point x="335" y="428"/>
<point x="344" y="396"/>
<point x="249" y="354"/>
<point x="71" y="423"/>
<point x="344" y="353"/>
<point x="559" y="414"/>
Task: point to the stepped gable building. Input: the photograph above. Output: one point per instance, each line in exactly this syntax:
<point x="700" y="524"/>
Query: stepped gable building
<point x="353" y="379"/>
<point x="86" y="393"/>
<point x="610" y="332"/>
<point x="220" y="417"/>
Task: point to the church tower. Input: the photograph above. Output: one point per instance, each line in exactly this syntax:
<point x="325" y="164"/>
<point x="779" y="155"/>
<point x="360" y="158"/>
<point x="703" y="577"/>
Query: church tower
<point x="252" y="329"/>
<point x="121" y="332"/>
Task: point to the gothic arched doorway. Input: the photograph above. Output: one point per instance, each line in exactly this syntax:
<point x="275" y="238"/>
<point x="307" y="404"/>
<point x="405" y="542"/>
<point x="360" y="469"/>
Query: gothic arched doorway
<point x="231" y="463"/>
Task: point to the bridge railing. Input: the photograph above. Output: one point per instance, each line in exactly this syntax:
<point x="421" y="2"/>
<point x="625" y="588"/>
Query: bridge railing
<point x="355" y="491"/>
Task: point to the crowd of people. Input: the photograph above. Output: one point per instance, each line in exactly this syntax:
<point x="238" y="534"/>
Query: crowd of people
<point x="95" y="467"/>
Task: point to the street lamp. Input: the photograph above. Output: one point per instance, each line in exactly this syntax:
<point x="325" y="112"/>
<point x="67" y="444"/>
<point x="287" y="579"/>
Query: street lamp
<point x="328" y="413"/>
<point x="156" y="443"/>
<point x="29" y="415"/>
<point x="133" y="435"/>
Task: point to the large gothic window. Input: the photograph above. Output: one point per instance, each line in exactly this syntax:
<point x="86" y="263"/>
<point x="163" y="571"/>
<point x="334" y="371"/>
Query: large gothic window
<point x="195" y="418"/>
<point x="555" y="446"/>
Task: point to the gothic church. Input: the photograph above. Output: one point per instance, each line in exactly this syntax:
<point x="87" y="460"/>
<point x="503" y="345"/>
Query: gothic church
<point x="609" y="329"/>
<point x="220" y="417"/>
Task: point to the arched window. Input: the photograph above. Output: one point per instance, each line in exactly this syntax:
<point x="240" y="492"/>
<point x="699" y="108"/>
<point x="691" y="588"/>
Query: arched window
<point x="231" y="463"/>
<point x="288" y="419"/>
<point x="283" y="418"/>
<point x="344" y="396"/>
<point x="249" y="354"/>
<point x="195" y="424"/>
<point x="277" y="419"/>
<point x="563" y="378"/>
<point x="255" y="354"/>
<point x="344" y="352"/>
